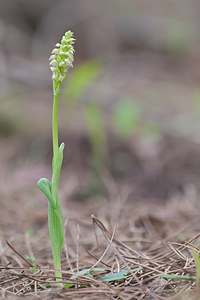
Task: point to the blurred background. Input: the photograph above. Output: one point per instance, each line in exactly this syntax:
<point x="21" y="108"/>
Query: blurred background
<point x="129" y="110"/>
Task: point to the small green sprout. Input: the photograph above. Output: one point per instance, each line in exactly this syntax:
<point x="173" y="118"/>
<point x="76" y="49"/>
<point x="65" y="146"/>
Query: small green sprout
<point x="60" y="61"/>
<point x="34" y="263"/>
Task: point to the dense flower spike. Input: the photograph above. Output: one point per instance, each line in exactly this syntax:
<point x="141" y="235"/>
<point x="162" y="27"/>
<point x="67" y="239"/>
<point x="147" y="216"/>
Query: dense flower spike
<point x="62" y="57"/>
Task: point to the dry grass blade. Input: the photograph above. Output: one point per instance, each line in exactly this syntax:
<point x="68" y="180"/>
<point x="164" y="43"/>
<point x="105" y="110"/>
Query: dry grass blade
<point x="20" y="255"/>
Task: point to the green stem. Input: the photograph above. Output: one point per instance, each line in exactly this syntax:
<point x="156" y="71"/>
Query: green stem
<point x="57" y="266"/>
<point x="56" y="89"/>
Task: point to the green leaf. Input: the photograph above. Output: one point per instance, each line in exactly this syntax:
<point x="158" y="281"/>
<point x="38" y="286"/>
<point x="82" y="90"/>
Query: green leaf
<point x="56" y="171"/>
<point x="55" y="219"/>
<point x="45" y="186"/>
<point x="31" y="258"/>
<point x="122" y="275"/>
<point x="85" y="272"/>
<point x="177" y="277"/>
<point x="97" y="270"/>
<point x="56" y="232"/>
<point x="34" y="268"/>
<point x="67" y="285"/>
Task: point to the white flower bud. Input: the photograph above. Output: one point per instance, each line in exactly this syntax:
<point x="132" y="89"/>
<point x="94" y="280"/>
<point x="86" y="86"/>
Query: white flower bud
<point x="52" y="57"/>
<point x="68" y="62"/>
<point x="53" y="69"/>
<point x="61" y="77"/>
<point x="55" y="51"/>
<point x="62" y="64"/>
<point x="53" y="62"/>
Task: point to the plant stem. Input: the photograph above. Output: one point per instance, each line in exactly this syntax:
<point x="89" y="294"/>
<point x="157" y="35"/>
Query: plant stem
<point x="61" y="60"/>
<point x="58" y="275"/>
<point x="56" y="90"/>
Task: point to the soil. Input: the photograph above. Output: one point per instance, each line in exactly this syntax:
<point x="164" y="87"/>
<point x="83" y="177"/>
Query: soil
<point x="143" y="217"/>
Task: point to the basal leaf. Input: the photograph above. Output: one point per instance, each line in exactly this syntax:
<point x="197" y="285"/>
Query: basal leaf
<point x="56" y="231"/>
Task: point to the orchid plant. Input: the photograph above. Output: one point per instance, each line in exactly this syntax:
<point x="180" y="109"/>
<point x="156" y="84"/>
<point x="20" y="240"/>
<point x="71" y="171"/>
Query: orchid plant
<point x="60" y="61"/>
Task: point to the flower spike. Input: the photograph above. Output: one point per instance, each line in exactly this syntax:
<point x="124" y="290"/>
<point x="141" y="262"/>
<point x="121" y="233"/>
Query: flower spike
<point x="62" y="57"/>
